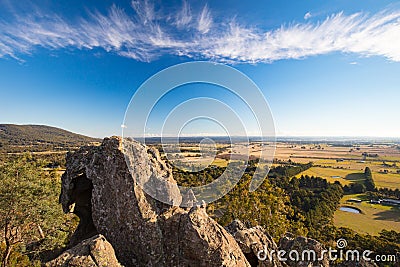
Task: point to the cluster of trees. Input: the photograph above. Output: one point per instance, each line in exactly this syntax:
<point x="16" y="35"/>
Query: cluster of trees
<point x="289" y="170"/>
<point x="202" y="177"/>
<point x="368" y="184"/>
<point x="388" y="193"/>
<point x="32" y="224"/>
<point x="354" y="188"/>
<point x="281" y="204"/>
<point x="370" y="155"/>
<point x="313" y="199"/>
<point x="267" y="206"/>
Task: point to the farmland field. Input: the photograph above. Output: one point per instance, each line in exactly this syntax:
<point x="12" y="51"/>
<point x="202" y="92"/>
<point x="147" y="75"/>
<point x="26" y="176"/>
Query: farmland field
<point x="332" y="162"/>
<point x="345" y="177"/>
<point x="373" y="219"/>
<point x="345" y="164"/>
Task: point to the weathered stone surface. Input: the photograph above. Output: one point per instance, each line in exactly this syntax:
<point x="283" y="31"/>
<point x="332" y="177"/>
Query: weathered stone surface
<point x="95" y="251"/>
<point x="202" y="238"/>
<point x="143" y="231"/>
<point x="303" y="244"/>
<point x="252" y="241"/>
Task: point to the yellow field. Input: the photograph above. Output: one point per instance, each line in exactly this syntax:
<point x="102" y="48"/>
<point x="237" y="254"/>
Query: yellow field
<point x="389" y="180"/>
<point x="220" y="162"/>
<point x="314" y="152"/>
<point x="374" y="217"/>
<point x="375" y="166"/>
<point x="346" y="176"/>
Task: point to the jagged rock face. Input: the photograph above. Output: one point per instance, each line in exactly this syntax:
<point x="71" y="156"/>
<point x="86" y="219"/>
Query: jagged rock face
<point x="143" y="231"/>
<point x="95" y="251"/>
<point x="252" y="241"/>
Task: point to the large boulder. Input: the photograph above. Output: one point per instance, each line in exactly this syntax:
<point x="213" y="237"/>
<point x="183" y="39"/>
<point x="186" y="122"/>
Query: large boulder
<point x="98" y="186"/>
<point x="204" y="242"/>
<point x="95" y="251"/>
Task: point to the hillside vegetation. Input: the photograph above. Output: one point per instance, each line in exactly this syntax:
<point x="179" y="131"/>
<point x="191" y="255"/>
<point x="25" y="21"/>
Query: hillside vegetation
<point x="34" y="138"/>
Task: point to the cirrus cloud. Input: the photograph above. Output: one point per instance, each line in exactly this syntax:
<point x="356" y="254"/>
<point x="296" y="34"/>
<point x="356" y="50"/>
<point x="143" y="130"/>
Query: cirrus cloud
<point x="145" y="34"/>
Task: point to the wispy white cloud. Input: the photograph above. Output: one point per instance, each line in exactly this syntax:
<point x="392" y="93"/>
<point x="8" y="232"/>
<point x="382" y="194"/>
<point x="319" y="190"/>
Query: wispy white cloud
<point x="205" y="20"/>
<point x="184" y="16"/>
<point x="144" y="10"/>
<point x="144" y="33"/>
<point x="307" y="15"/>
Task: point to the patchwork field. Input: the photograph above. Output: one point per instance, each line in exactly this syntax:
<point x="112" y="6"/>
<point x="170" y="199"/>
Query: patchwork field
<point x="345" y="164"/>
<point x="334" y="163"/>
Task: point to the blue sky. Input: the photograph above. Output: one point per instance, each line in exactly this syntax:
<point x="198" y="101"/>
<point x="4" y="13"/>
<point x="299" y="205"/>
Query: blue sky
<point x="326" y="68"/>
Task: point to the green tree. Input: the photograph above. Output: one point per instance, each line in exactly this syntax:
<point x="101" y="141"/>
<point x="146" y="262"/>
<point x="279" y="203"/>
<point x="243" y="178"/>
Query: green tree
<point x="266" y="207"/>
<point x="369" y="182"/>
<point x="357" y="188"/>
<point x="31" y="221"/>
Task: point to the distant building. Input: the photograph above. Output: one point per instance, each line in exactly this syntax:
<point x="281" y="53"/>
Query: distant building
<point x="375" y="201"/>
<point x="354" y="200"/>
<point x="389" y="201"/>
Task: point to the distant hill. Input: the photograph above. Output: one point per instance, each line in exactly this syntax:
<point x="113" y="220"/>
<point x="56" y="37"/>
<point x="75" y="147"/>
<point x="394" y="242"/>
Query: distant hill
<point x="19" y="138"/>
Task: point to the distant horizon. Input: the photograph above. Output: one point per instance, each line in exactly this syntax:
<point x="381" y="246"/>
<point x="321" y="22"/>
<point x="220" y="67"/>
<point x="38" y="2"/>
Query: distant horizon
<point x="221" y="136"/>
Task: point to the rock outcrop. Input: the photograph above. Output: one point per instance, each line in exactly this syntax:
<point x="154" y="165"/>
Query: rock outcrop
<point x="101" y="190"/>
<point x="254" y="240"/>
<point x="95" y="251"/>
